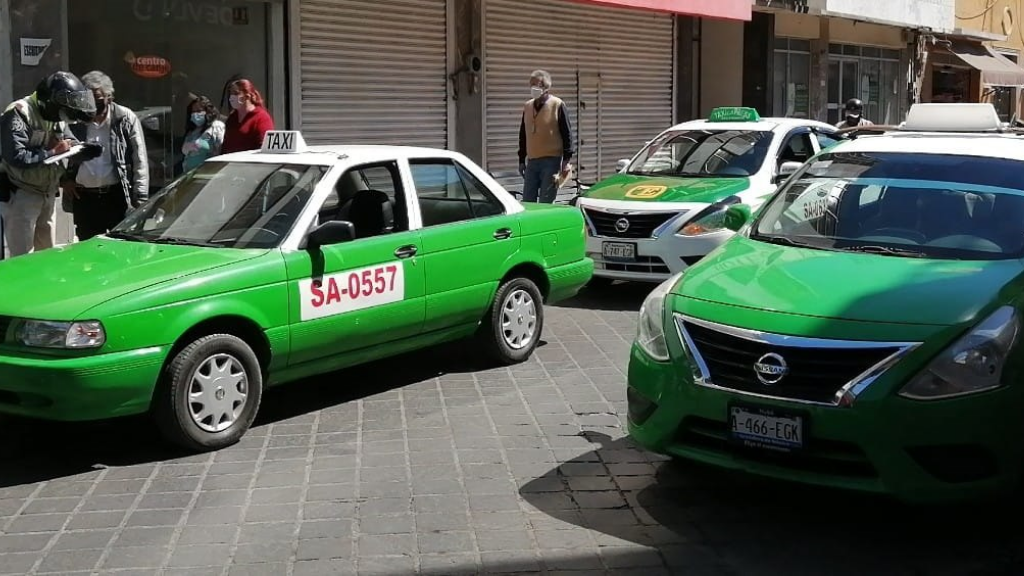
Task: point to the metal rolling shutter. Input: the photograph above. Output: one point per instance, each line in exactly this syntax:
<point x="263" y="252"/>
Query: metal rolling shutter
<point x="373" y="72"/>
<point x="613" y="67"/>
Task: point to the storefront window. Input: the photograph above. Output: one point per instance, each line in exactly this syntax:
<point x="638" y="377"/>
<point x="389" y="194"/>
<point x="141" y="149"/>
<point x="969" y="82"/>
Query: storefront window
<point x="871" y="74"/>
<point x="792" y="72"/>
<point x="158" y="53"/>
<point x="1004" y="98"/>
<point x="950" y="84"/>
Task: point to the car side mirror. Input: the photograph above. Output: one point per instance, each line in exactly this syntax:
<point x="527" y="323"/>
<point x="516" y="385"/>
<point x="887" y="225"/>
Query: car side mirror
<point x="330" y="233"/>
<point x="786" y="170"/>
<point x="737" y="216"/>
<point x="621" y="165"/>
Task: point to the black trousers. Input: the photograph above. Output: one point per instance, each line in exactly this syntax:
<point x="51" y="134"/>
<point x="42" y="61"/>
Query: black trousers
<point x="98" y="210"/>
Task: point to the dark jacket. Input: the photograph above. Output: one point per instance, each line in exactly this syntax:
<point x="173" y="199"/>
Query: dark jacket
<point x="25" y="142"/>
<point x="127" y="152"/>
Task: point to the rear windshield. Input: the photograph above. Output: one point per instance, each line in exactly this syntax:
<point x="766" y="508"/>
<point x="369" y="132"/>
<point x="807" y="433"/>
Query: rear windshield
<point x="901" y="204"/>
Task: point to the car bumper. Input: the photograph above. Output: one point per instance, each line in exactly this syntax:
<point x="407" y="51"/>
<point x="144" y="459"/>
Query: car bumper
<point x="565" y="281"/>
<point x="656" y="258"/>
<point x="79" y="389"/>
<point x="955" y="450"/>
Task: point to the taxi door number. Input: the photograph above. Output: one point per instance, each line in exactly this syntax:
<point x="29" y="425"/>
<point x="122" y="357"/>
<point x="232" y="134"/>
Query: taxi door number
<point x="352" y="290"/>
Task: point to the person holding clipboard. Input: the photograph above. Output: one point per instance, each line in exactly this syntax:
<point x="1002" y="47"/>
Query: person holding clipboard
<point x="34" y="141"/>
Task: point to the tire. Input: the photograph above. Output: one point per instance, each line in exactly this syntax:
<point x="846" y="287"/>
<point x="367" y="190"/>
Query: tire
<point x="518" y="302"/>
<point x="183" y="422"/>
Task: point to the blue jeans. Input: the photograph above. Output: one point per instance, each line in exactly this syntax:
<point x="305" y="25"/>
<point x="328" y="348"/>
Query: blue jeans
<point x="540" y="179"/>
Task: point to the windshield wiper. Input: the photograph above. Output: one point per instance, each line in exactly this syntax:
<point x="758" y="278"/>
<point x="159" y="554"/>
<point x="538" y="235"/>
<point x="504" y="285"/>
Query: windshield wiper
<point x="119" y="235"/>
<point x="182" y="242"/>
<point x="887" y="250"/>
<point x="786" y="241"/>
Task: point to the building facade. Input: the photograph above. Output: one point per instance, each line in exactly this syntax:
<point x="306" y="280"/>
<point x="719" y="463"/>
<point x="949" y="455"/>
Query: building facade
<point x="988" y="36"/>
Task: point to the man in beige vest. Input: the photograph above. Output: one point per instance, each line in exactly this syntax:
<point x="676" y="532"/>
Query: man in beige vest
<point x="33" y="130"/>
<point x="545" y="141"/>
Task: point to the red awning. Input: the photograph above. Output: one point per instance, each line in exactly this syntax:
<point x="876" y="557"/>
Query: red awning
<point x="729" y="9"/>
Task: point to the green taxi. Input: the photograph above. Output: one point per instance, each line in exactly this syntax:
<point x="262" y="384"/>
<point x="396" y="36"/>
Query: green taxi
<point x="264" y="267"/>
<point x="863" y="330"/>
<point x="662" y="211"/>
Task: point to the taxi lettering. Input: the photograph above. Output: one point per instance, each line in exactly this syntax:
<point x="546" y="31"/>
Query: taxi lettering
<point x="646" y="191"/>
<point x="352" y="290"/>
<point x="281" y="141"/>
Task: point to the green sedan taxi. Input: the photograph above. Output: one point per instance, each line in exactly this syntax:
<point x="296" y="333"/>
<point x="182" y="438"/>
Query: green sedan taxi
<point x="663" y="211"/>
<point x="260" y="268"/>
<point x="863" y="330"/>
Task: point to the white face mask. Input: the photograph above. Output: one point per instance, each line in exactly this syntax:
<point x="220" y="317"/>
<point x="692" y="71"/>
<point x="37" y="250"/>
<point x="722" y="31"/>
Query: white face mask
<point x="536" y="91"/>
<point x="234" y="102"/>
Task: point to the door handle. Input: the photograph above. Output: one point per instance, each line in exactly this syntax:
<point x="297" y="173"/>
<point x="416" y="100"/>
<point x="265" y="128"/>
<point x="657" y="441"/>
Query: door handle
<point x="406" y="251"/>
<point x="503" y="234"/>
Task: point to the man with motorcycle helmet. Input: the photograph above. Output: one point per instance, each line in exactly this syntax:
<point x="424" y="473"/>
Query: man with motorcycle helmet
<point x="854" y="111"/>
<point x="32" y="130"/>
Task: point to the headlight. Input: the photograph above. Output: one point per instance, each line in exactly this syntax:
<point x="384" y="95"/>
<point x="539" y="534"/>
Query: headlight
<point x="709" y="220"/>
<point x="650" y="335"/>
<point x="974" y="363"/>
<point x="74" y="335"/>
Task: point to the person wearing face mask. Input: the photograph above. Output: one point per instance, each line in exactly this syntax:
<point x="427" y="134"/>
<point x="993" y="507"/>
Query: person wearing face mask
<point x="545" y="141"/>
<point x="106" y="188"/>
<point x="204" y="133"/>
<point x="854" y="111"/>
<point x="32" y="130"/>
<point x="248" y="121"/>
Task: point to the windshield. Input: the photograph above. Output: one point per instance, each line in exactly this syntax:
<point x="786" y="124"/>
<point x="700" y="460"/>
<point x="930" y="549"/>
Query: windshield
<point x="225" y="204"/>
<point x="901" y="204"/>
<point x="703" y="153"/>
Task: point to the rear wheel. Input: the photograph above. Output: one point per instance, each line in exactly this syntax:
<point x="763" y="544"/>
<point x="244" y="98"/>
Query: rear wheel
<point x="210" y="393"/>
<point x="512" y="329"/>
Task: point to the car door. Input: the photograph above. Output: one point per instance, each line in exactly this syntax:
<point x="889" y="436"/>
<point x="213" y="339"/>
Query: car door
<point x="365" y="292"/>
<point x="467" y="237"/>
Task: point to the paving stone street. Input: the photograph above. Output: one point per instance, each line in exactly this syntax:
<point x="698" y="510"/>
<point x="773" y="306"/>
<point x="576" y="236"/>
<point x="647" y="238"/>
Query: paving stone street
<point x="433" y="464"/>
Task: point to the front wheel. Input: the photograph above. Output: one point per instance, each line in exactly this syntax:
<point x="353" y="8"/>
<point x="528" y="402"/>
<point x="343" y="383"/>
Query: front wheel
<point x="512" y="329"/>
<point x="210" y="393"/>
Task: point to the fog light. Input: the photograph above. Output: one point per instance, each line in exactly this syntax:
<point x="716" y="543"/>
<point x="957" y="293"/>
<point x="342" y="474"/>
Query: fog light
<point x="639" y="408"/>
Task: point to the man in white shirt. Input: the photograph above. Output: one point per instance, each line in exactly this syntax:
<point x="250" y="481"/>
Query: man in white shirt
<point x="109" y="186"/>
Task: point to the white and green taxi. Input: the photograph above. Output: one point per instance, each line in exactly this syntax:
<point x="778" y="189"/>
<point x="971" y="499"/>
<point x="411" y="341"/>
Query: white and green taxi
<point x="664" y="210"/>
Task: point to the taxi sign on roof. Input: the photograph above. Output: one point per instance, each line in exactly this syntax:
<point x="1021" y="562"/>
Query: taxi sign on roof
<point x="952" y="117"/>
<point x="734" y="114"/>
<point x="283" y="142"/>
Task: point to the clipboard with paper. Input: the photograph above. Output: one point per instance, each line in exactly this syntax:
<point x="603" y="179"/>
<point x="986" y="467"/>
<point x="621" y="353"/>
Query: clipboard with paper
<point x="77" y="148"/>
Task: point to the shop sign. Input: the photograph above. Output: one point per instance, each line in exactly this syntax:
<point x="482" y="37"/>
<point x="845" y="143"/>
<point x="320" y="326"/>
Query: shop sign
<point x="148" y="66"/>
<point x="191" y="11"/>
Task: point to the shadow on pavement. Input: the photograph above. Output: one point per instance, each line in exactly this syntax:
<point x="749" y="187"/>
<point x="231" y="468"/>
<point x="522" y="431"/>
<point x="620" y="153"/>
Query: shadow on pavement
<point x="741" y="524"/>
<point x="618" y="297"/>
<point x="34" y="451"/>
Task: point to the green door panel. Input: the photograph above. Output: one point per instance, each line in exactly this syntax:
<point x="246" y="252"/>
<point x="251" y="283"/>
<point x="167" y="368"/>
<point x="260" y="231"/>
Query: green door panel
<point x="354" y="295"/>
<point x="463" y="262"/>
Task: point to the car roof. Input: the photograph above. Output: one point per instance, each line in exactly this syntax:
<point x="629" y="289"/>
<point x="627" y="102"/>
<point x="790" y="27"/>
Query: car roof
<point x="763" y="125"/>
<point x="1007" y="146"/>
<point x="331" y="154"/>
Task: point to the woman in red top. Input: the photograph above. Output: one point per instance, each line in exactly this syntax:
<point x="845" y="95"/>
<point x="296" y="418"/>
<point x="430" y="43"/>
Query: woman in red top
<point x="248" y="121"/>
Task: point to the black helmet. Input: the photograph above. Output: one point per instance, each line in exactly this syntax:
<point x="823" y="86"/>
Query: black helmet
<point x="63" y="97"/>
<point x="854" y="105"/>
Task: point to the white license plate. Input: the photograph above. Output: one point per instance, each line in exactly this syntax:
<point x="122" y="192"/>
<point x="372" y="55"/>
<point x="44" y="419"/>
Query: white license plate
<point x="765" y="428"/>
<point x="619" y="250"/>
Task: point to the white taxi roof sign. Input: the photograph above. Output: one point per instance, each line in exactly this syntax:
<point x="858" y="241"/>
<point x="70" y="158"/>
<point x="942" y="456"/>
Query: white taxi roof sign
<point x="952" y="117"/>
<point x="283" y="142"/>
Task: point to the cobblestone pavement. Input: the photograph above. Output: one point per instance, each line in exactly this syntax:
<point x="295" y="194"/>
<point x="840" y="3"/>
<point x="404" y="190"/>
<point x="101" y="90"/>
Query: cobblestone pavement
<point x="432" y="464"/>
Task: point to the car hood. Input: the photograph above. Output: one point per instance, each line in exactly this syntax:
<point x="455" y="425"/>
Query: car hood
<point x="631" y="187"/>
<point x="847" y="286"/>
<point x="65" y="282"/>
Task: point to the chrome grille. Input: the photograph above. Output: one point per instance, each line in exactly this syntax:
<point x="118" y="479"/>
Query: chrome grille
<point x="817" y="370"/>
<point x="640" y="224"/>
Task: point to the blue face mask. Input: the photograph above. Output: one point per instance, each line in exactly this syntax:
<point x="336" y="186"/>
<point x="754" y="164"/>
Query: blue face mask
<point x="199" y="118"/>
